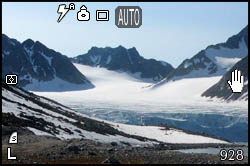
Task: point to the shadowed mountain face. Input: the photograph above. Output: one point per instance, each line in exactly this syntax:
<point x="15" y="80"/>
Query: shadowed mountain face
<point x="34" y="62"/>
<point x="126" y="60"/>
<point x="215" y="60"/>
<point x="222" y="88"/>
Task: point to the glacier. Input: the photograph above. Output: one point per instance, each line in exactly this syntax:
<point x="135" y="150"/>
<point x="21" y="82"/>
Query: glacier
<point x="121" y="98"/>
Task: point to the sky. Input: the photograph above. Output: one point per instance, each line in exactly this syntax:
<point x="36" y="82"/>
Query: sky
<point x="170" y="31"/>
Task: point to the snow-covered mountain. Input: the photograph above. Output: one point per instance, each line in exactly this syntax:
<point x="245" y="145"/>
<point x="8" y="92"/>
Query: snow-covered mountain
<point x="222" y="89"/>
<point x="125" y="60"/>
<point x="215" y="60"/>
<point x="119" y="98"/>
<point x="22" y="110"/>
<point x="40" y="68"/>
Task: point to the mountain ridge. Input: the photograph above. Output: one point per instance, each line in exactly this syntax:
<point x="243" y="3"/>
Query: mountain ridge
<point x="222" y="89"/>
<point x="214" y="60"/>
<point x="125" y="60"/>
<point x="35" y="63"/>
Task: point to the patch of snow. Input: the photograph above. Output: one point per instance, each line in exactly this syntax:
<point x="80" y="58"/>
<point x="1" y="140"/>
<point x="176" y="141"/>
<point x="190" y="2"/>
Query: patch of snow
<point x="246" y="82"/>
<point x="185" y="89"/>
<point x="196" y="60"/>
<point x="6" y="52"/>
<point x="218" y="56"/>
<point x="114" y="89"/>
<point x="130" y="60"/>
<point x="200" y="73"/>
<point x="168" y="136"/>
<point x="188" y="64"/>
<point x="244" y="96"/>
<point x="175" y="119"/>
<point x="9" y="95"/>
<point x="28" y="51"/>
<point x="53" y="117"/>
<point x="164" y="63"/>
<point x="12" y="43"/>
<point x="25" y="77"/>
<point x="55" y="85"/>
<point x="38" y="132"/>
<point x="35" y="68"/>
<point x="49" y="59"/>
<point x="227" y="63"/>
<point x="108" y="60"/>
<point x="95" y="59"/>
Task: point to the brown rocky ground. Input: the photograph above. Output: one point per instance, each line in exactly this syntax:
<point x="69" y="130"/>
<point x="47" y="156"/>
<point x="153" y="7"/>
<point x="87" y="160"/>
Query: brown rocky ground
<point x="49" y="150"/>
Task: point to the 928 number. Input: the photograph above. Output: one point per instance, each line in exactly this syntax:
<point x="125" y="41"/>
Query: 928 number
<point x="231" y="154"/>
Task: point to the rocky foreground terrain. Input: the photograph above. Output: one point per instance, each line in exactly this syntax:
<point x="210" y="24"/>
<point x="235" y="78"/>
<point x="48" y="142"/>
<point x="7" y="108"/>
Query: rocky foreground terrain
<point x="33" y="149"/>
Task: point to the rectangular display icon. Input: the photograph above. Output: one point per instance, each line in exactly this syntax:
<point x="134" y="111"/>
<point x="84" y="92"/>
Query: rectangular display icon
<point x="99" y="14"/>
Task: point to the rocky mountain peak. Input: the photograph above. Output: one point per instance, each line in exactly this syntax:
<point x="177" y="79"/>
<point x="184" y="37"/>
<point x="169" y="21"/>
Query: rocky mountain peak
<point x="28" y="43"/>
<point x="40" y="68"/>
<point x="126" y="60"/>
<point x="215" y="60"/>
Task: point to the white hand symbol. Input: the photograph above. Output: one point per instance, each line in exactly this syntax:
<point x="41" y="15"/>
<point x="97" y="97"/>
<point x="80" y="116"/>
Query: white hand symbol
<point x="237" y="81"/>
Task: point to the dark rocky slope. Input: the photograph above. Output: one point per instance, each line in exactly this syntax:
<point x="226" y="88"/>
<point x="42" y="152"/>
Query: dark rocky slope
<point x="222" y="89"/>
<point x="126" y="60"/>
<point x="34" y="62"/>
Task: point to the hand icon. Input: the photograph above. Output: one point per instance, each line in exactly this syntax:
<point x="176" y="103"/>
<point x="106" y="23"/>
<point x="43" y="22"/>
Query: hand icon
<point x="237" y="81"/>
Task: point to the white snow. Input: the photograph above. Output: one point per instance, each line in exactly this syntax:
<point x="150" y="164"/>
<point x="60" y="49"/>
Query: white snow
<point x="6" y="52"/>
<point x="187" y="90"/>
<point x="95" y="59"/>
<point x="188" y="64"/>
<point x="38" y="132"/>
<point x="55" y="85"/>
<point x="120" y="90"/>
<point x="12" y="43"/>
<point x="244" y="96"/>
<point x="13" y="97"/>
<point x="54" y="118"/>
<point x="130" y="60"/>
<point x="163" y="63"/>
<point x="223" y="57"/>
<point x="49" y="59"/>
<point x="196" y="60"/>
<point x="29" y="51"/>
<point x="35" y="68"/>
<point x="109" y="85"/>
<point x="220" y="56"/>
<point x="169" y="136"/>
<point x="227" y="63"/>
<point x="109" y="59"/>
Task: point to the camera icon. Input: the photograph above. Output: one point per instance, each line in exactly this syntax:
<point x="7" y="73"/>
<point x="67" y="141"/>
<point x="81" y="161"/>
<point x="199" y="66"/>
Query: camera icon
<point x="11" y="79"/>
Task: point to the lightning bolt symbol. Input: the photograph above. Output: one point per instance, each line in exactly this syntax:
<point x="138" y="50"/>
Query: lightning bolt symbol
<point x="62" y="10"/>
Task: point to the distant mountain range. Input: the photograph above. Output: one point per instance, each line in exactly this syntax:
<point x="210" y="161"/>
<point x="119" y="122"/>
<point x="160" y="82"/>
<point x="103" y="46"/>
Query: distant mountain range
<point x="215" y="60"/>
<point x="40" y="68"/>
<point x="125" y="60"/>
<point x="222" y="89"/>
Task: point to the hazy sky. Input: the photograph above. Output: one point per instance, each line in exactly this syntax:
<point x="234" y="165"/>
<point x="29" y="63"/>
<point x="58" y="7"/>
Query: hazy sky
<point x="170" y="31"/>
